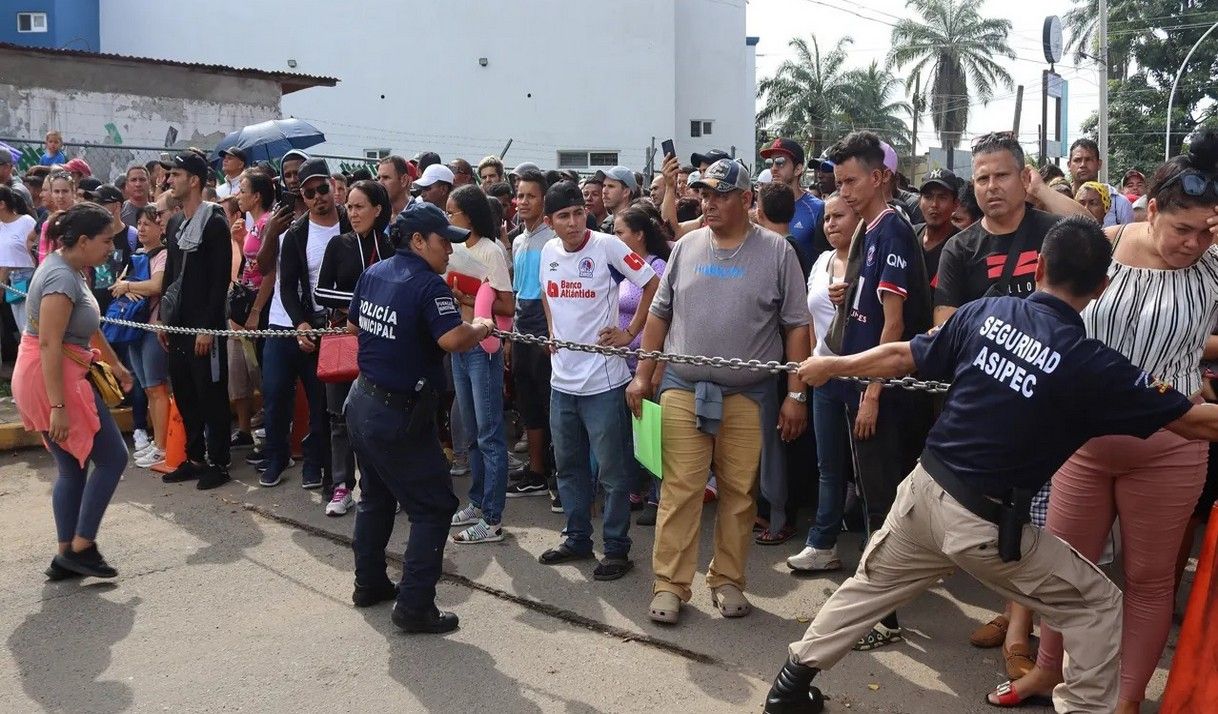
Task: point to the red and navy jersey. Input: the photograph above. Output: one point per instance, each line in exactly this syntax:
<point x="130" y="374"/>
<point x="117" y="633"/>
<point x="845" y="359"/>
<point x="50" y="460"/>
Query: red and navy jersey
<point x="890" y="261"/>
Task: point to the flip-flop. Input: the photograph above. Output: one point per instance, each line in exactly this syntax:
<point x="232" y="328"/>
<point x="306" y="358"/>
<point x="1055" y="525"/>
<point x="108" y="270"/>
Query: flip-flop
<point x="1009" y="698"/>
<point x="769" y="537"/>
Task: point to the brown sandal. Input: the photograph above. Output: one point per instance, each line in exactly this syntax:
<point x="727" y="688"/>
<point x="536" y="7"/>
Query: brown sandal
<point x="991" y="634"/>
<point x="1019" y="661"/>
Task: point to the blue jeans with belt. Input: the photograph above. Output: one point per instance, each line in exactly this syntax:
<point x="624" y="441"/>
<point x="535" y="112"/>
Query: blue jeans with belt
<point x="596" y="424"/>
<point x="478" y="381"/>
<point x="397" y="467"/>
<point x="832" y="432"/>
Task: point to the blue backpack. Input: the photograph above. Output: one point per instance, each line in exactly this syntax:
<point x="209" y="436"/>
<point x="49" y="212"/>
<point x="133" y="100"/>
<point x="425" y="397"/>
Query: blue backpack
<point x="132" y="308"/>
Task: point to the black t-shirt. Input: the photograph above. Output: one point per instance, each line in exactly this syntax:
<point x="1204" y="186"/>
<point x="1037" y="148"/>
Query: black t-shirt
<point x="931" y="256"/>
<point x="1028" y="389"/>
<point x="972" y="261"/>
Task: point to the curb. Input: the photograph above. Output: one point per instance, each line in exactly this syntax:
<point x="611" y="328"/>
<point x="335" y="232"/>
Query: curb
<point x="14" y="436"/>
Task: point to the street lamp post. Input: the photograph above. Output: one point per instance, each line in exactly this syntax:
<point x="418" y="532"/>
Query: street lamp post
<point x="1172" y="96"/>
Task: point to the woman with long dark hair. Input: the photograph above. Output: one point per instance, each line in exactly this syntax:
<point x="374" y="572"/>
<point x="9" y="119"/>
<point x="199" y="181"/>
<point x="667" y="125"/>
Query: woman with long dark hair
<point x="641" y="228"/>
<point x="255" y="195"/>
<point x="53" y="394"/>
<point x="347" y="256"/>
<point x="16" y="264"/>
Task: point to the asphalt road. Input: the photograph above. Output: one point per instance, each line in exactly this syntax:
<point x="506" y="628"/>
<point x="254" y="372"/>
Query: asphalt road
<point x="239" y="600"/>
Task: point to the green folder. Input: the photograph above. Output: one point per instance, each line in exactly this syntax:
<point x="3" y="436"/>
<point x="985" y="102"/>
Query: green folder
<point x="647" y="439"/>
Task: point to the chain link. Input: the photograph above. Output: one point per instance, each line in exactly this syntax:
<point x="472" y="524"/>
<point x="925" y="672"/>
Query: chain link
<point x="733" y="363"/>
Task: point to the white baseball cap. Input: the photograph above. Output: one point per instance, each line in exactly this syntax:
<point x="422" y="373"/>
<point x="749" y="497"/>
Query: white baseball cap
<point x="433" y="173"/>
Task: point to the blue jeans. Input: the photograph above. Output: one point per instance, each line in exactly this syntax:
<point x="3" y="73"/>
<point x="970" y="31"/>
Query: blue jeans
<point x="598" y="424"/>
<point x="129" y="354"/>
<point x="79" y="499"/>
<point x="282" y="364"/>
<point x="478" y="381"/>
<point x="399" y="468"/>
<point x="832" y="431"/>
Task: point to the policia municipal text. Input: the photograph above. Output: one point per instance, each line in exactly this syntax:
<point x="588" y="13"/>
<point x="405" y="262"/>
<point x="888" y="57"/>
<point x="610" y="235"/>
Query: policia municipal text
<point x="995" y="444"/>
<point x="406" y="318"/>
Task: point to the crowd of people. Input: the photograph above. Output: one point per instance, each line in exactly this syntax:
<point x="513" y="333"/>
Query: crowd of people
<point x="814" y="258"/>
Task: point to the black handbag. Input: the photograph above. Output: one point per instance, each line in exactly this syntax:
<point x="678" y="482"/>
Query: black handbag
<point x="240" y="302"/>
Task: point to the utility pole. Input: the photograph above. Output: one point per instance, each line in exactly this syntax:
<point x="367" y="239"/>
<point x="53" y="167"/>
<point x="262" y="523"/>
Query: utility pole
<point x="1018" y="109"/>
<point x="913" y="135"/>
<point x="1102" y="32"/>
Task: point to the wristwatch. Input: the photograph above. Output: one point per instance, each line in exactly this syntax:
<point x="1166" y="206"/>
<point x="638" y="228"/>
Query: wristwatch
<point x="801" y="397"/>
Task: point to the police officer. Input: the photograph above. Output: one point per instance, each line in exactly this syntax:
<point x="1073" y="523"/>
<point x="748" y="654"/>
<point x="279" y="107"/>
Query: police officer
<point x="406" y="318"/>
<point x="1028" y="389"/>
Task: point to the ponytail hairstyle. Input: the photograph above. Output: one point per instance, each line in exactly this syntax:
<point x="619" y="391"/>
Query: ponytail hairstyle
<point x="84" y="220"/>
<point x="638" y="218"/>
<point x="1189" y="180"/>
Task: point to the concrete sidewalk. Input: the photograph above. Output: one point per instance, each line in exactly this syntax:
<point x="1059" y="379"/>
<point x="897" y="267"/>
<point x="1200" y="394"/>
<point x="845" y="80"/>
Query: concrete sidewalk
<point x="239" y="599"/>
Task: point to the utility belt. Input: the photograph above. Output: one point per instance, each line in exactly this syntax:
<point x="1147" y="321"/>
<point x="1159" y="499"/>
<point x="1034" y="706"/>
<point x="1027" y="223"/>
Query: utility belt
<point x="1009" y="513"/>
<point x="418" y="406"/>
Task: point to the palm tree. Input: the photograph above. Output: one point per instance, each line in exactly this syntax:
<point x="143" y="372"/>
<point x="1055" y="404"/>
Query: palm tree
<point x="1125" y="18"/>
<point x="957" y="47"/>
<point x="804" y="98"/>
<point x="869" y="105"/>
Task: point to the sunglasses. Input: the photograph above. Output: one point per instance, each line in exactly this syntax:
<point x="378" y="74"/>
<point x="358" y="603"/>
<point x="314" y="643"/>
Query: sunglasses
<point x="321" y="189"/>
<point x="1193" y="182"/>
<point x="779" y="161"/>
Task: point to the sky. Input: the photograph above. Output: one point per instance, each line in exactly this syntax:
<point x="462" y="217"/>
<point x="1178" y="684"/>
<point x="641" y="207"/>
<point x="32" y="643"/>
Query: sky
<point x="775" y="22"/>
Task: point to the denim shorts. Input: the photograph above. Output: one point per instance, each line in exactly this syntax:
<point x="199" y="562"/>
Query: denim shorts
<point x="148" y="361"/>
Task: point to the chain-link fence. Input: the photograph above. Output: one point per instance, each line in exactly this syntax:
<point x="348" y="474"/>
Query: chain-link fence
<point x="109" y="161"/>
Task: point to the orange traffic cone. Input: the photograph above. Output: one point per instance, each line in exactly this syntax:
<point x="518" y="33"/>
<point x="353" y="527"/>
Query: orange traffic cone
<point x="300" y="422"/>
<point x="1192" y="685"/>
<point x="175" y="441"/>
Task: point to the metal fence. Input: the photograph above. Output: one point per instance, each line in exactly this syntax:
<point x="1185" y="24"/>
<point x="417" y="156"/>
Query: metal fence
<point x="109" y="161"/>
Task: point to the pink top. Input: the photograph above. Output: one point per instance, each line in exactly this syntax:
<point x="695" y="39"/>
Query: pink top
<point x="253" y="241"/>
<point x="44" y="244"/>
<point x="30" y="396"/>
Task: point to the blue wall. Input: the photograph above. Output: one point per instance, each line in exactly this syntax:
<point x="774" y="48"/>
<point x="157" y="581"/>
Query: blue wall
<point x="71" y="24"/>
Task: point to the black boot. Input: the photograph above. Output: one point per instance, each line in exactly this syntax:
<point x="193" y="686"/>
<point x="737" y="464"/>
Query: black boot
<point x="793" y="692"/>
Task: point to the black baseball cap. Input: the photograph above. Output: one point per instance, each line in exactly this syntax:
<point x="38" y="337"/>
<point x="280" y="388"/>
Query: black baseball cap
<point x="192" y="163"/>
<point x="236" y="154"/>
<point x="312" y="169"/>
<point x="105" y="193"/>
<point x="709" y="157"/>
<point x="88" y="184"/>
<point x="790" y="147"/>
<point x="940" y="177"/>
<point x="422" y="217"/>
<point x="425" y="159"/>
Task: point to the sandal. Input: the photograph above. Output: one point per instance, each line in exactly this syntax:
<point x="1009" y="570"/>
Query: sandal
<point x="665" y="607"/>
<point x="1019" y="660"/>
<point x="1007" y="697"/>
<point x="730" y="601"/>
<point x="877" y="638"/>
<point x="562" y="554"/>
<point x="768" y="537"/>
<point x="760" y="524"/>
<point x="991" y="634"/>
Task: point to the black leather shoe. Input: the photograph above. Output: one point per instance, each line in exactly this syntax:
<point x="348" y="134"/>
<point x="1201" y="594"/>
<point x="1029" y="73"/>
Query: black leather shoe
<point x="56" y="572"/>
<point x="187" y="471"/>
<point x="433" y="621"/>
<point x="374" y="595"/>
<point x="86" y="562"/>
<point x="793" y="692"/>
<point x="213" y="477"/>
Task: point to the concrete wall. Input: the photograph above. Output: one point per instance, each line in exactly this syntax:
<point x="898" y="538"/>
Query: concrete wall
<point x="71" y="24"/>
<point x="560" y="74"/>
<point x="125" y="103"/>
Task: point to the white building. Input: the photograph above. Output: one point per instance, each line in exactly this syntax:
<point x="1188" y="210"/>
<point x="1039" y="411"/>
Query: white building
<point x="572" y="83"/>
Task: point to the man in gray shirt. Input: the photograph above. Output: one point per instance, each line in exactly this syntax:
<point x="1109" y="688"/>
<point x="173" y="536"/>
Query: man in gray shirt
<point x="731" y="289"/>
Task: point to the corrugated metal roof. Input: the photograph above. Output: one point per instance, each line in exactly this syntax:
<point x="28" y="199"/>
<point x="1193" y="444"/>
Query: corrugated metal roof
<point x="290" y="81"/>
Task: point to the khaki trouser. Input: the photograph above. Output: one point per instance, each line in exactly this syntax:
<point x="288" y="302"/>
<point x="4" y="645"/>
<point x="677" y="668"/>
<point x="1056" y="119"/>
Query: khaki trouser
<point x="926" y="536"/>
<point x="688" y="455"/>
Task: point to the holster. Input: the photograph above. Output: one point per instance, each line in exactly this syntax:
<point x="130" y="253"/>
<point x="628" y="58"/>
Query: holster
<point x="423" y="415"/>
<point x="1014" y="514"/>
<point x="1009" y="515"/>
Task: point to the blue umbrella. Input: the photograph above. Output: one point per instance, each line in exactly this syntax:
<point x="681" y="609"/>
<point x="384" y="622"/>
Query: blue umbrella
<point x="11" y="152"/>
<point x="270" y="140"/>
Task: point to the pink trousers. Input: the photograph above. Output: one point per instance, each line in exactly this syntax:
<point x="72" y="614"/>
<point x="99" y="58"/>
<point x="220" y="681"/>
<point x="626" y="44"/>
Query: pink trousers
<point x="1152" y="485"/>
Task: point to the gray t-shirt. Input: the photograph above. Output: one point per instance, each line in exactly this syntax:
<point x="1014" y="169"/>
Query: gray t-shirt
<point x="56" y="276"/>
<point x="730" y="304"/>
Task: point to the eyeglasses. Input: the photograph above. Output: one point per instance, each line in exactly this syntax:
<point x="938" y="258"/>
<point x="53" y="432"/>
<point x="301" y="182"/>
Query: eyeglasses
<point x="321" y="189"/>
<point x="1193" y="182"/>
<point x="779" y="161"/>
<point x="450" y="214"/>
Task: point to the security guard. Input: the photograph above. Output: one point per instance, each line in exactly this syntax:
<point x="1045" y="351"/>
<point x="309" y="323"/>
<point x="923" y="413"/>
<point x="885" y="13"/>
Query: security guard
<point x="406" y="318"/>
<point x="1028" y="389"/>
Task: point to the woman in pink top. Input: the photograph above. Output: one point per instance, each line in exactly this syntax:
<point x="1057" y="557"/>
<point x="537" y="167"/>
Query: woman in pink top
<point x="254" y="198"/>
<point x="54" y="396"/>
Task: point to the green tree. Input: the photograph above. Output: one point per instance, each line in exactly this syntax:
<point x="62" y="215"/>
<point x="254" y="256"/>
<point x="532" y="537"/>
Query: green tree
<point x="804" y="98"/>
<point x="952" y="47"/>
<point x="870" y="105"/>
<point x="1125" y="23"/>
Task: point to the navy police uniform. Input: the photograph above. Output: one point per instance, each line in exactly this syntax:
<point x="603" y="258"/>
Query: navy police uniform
<point x="401" y="307"/>
<point x="1028" y="389"/>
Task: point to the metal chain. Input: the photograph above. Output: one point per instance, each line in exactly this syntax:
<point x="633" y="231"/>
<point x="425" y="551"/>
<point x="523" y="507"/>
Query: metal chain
<point x="734" y="363"/>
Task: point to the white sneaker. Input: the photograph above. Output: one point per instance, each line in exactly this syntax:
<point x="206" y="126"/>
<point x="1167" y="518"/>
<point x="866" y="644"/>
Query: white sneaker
<point x="136" y="453"/>
<point x="813" y="560"/>
<point x="141" y="439"/>
<point x="467" y="516"/>
<point x="260" y="433"/>
<point x="150" y="458"/>
<point x="480" y="532"/>
<point x="340" y="502"/>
